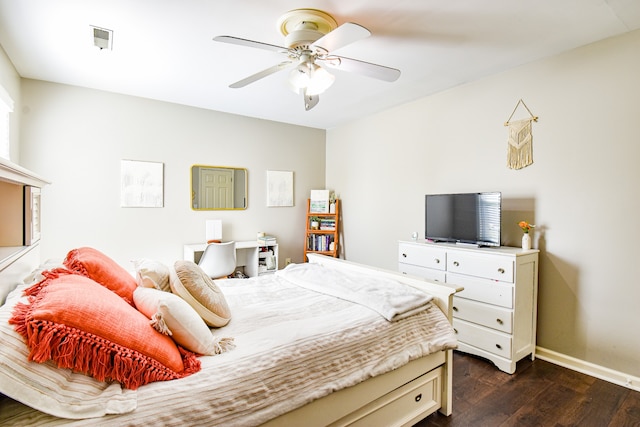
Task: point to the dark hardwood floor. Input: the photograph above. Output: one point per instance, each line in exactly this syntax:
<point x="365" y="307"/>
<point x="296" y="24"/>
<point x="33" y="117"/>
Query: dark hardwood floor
<point x="538" y="394"/>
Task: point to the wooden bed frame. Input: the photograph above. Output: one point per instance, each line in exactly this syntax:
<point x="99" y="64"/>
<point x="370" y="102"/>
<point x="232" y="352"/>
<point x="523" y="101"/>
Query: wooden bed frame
<point x="398" y="398"/>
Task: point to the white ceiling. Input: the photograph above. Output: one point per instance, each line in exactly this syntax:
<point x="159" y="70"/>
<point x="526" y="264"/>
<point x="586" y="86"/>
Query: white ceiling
<point x="163" y="49"/>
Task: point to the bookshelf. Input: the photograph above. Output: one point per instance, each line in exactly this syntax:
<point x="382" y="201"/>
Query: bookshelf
<point x="324" y="239"/>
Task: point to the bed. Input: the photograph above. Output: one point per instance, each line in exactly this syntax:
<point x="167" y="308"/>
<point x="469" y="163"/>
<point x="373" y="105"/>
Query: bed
<point x="302" y="356"/>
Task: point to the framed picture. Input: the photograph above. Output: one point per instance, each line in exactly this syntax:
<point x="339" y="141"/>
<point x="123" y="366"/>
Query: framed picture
<point x="141" y="184"/>
<point x="279" y="188"/>
<point x="319" y="201"/>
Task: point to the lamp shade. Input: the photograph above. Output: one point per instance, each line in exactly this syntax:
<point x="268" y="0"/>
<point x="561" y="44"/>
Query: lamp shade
<point x="311" y="78"/>
<point x="299" y="78"/>
<point x="213" y="229"/>
<point x="320" y="80"/>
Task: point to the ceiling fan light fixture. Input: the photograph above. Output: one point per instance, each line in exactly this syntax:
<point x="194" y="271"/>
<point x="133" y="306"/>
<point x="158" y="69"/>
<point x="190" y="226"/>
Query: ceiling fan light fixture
<point x="320" y="80"/>
<point x="299" y="78"/>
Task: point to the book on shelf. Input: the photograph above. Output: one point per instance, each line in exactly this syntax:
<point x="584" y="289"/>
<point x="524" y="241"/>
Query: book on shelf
<point x="320" y="242"/>
<point x="327" y="224"/>
<point x="267" y="240"/>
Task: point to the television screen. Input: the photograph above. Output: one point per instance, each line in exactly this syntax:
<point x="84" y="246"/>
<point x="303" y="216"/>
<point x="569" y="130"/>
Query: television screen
<point x="472" y="218"/>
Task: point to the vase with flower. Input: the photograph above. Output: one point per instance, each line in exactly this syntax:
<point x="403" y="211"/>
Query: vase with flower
<point x="526" y="238"/>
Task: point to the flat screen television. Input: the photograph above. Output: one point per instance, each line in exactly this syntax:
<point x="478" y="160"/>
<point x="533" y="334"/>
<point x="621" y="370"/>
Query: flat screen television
<point x="467" y="218"/>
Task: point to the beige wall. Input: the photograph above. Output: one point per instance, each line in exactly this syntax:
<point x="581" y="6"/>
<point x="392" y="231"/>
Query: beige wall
<point x="581" y="191"/>
<point x="76" y="138"/>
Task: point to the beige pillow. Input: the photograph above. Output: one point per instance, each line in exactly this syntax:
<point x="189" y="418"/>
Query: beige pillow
<point x="152" y="274"/>
<point x="173" y="316"/>
<point x="195" y="287"/>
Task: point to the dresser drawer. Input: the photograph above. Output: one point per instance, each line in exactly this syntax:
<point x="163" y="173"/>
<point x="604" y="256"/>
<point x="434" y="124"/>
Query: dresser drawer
<point x="423" y="272"/>
<point x="423" y="256"/>
<point x="485" y="266"/>
<point x="486" y="339"/>
<point x="483" y="290"/>
<point x="491" y="316"/>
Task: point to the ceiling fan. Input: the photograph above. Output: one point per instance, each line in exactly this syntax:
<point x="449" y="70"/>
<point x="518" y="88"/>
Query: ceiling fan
<point x="311" y="36"/>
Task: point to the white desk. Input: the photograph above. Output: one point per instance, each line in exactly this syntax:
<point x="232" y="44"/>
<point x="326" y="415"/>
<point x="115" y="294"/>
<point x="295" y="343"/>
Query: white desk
<point x="250" y="255"/>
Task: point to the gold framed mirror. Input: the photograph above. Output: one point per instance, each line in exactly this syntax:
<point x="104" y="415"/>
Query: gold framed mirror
<point x="218" y="188"/>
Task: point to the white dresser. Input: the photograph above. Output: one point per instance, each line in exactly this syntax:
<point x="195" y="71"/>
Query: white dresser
<point x="495" y="315"/>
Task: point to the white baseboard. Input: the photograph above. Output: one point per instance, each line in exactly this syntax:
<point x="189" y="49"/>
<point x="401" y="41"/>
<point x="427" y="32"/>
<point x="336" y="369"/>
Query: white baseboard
<point x="597" y="371"/>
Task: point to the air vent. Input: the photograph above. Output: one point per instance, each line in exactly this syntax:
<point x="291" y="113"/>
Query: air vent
<point x="102" y="37"/>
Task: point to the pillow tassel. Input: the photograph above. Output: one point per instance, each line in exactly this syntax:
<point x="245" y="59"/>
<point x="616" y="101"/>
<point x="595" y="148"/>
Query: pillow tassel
<point x="190" y="360"/>
<point x="41" y="340"/>
<point x="223" y="344"/>
<point x="48" y="276"/>
<point x="20" y="312"/>
<point x="158" y="323"/>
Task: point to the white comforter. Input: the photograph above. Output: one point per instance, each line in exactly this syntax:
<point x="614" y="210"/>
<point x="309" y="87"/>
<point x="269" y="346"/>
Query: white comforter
<point x="293" y="346"/>
<point x="389" y="298"/>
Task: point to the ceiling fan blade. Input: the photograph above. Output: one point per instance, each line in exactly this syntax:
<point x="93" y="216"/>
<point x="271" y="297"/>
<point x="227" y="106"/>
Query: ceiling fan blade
<point x="368" y="69"/>
<point x="345" y="34"/>
<point x="249" y="43"/>
<point x="310" y="101"/>
<point x="257" y="76"/>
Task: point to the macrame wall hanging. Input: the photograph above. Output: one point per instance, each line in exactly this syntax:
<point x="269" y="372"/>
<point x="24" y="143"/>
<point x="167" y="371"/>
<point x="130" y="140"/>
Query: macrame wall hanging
<point x="520" y="144"/>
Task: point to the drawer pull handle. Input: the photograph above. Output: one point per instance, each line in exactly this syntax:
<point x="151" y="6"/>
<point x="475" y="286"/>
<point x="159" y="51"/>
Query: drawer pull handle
<point x="455" y="308"/>
<point x="437" y="261"/>
<point x="404" y="255"/>
<point x="456" y="263"/>
<point x="499" y="346"/>
<point x="419" y="397"/>
<point x="500" y="322"/>
<point x="501" y="270"/>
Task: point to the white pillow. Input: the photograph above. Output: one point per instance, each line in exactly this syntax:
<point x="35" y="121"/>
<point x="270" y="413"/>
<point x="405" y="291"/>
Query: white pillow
<point x="47" y="388"/>
<point x="152" y="274"/>
<point x="194" y="286"/>
<point x="173" y="316"/>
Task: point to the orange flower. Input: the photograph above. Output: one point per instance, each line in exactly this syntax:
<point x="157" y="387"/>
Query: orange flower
<point x="525" y="226"/>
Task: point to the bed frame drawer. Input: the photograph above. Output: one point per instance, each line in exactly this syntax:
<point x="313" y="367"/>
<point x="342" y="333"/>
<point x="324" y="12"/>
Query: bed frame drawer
<point x="491" y="316"/>
<point x="486" y="339"/>
<point x="412" y="400"/>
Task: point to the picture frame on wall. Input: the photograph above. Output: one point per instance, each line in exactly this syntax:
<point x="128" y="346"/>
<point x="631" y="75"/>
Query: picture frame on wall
<point x="141" y="184"/>
<point x="279" y="188"/>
